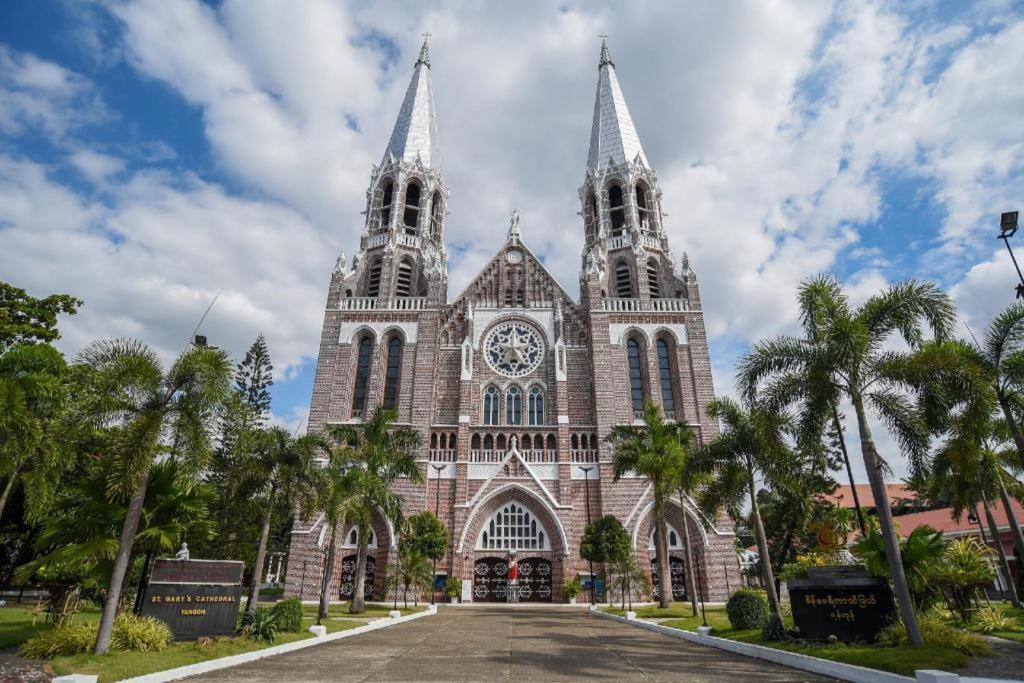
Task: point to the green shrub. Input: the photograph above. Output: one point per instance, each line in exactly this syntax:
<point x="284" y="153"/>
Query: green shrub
<point x="798" y="568"/>
<point x="935" y="632"/>
<point x="289" y="614"/>
<point x="260" y="624"/>
<point x="774" y="630"/>
<point x="63" y="640"/>
<point x="747" y="608"/>
<point x="572" y="589"/>
<point x="991" y="618"/>
<point x="453" y="587"/>
<point x="139" y="634"/>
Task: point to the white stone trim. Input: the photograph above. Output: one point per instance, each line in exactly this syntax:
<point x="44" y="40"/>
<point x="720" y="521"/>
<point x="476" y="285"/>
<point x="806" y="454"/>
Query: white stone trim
<point x="843" y="672"/>
<point x="687" y="511"/>
<point x="617" y="332"/>
<point x="540" y="501"/>
<point x="541" y="318"/>
<point x="234" y="660"/>
<point x="349" y="329"/>
<point x="563" y="419"/>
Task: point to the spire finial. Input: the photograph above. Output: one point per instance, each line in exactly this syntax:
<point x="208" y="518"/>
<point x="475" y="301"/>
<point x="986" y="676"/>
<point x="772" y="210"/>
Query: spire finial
<point x="513" y="226"/>
<point x="424" y="57"/>
<point x="606" y="56"/>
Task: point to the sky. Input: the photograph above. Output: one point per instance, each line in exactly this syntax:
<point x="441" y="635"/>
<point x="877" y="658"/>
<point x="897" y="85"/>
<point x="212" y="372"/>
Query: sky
<point x="156" y="154"/>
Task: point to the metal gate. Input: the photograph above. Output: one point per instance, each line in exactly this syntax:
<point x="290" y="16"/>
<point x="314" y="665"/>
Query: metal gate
<point x="348" y="577"/>
<point x="490" y="580"/>
<point x="677" y="575"/>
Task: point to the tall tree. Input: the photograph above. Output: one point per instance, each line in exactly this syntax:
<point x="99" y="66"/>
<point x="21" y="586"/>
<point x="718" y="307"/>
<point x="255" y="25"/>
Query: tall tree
<point x="141" y="402"/>
<point x="381" y="453"/>
<point x="279" y="466"/>
<point x="655" y="453"/>
<point x="253" y="378"/>
<point x="33" y="392"/>
<point x="1002" y="352"/>
<point x="752" y="443"/>
<point x="336" y="499"/>
<point x="25" y="319"/>
<point x="848" y="358"/>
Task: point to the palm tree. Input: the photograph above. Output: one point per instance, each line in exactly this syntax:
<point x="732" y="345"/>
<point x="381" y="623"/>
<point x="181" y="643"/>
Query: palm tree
<point x="141" y="403"/>
<point x="689" y="479"/>
<point x="336" y="501"/>
<point x="1002" y="352"/>
<point x="654" y="452"/>
<point x="751" y="443"/>
<point x="849" y="359"/>
<point x="281" y="466"/>
<point x="414" y="571"/>
<point x="919" y="552"/>
<point x="381" y="453"/>
<point x="32" y="397"/>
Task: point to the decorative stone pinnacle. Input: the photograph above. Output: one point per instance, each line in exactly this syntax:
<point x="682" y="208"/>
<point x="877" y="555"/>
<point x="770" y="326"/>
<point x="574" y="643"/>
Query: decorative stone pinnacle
<point x="606" y="56"/>
<point x="513" y="226"/>
<point x="424" y="57"/>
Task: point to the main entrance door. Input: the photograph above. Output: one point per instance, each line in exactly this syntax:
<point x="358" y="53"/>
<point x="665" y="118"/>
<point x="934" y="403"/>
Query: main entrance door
<point x="348" y="577"/>
<point x="490" y="580"/>
<point x="677" y="575"/>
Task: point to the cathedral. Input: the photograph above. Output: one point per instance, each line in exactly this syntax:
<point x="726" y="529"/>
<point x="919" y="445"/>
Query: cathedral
<point x="513" y="384"/>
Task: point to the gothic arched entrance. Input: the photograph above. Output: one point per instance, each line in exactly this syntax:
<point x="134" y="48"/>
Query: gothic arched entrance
<point x="490" y="580"/>
<point x="348" y="577"/>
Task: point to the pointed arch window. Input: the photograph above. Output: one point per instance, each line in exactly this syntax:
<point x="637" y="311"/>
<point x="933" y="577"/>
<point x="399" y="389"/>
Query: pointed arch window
<point x="668" y="401"/>
<point x="653" y="281"/>
<point x="623" y="281"/>
<point x="591" y="214"/>
<point x="636" y="375"/>
<point x="643" y="208"/>
<point x="352" y="540"/>
<point x="386" y="199"/>
<point x="403" y="281"/>
<point x="616" y="209"/>
<point x="435" y="214"/>
<point x="491" y="406"/>
<point x="673" y="538"/>
<point x="513" y="527"/>
<point x="373" y="285"/>
<point x="514" y="406"/>
<point x="393" y="372"/>
<point x="536" y="406"/>
<point x="411" y="216"/>
<point x="362" y="376"/>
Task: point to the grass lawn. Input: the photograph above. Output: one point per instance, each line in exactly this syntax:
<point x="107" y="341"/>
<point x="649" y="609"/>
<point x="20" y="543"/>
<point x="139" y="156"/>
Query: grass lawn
<point x="676" y="610"/>
<point x="119" y="665"/>
<point x="372" y="610"/>
<point x="16" y="623"/>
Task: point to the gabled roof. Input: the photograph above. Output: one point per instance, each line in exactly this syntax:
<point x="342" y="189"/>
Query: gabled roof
<point x="843" y="495"/>
<point x="415" y="133"/>
<point x="612" y="135"/>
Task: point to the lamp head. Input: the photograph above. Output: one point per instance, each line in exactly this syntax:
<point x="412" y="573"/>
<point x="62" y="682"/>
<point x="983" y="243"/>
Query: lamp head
<point x="1008" y="224"/>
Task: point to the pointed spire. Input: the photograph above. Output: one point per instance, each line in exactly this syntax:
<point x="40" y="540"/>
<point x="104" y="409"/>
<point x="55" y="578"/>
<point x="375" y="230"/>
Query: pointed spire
<point x="415" y="133"/>
<point x="613" y="136"/>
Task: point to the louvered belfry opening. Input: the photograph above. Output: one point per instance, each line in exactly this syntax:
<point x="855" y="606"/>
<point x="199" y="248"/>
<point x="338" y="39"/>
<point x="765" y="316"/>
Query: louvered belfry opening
<point x="616" y="209"/>
<point x="623" y="282"/>
<point x="403" y="282"/>
<point x="373" y="285"/>
<point x="653" y="283"/>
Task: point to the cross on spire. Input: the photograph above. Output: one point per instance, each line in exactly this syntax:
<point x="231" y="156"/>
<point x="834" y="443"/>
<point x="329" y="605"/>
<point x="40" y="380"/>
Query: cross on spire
<point x="606" y="56"/>
<point x="424" y="57"/>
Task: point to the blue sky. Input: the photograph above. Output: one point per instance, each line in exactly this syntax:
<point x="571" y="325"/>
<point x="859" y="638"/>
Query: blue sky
<point x="153" y="154"/>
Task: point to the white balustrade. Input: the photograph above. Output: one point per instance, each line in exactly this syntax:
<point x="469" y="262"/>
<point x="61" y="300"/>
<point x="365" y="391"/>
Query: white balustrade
<point x="369" y="303"/>
<point x="620" y="241"/>
<point x="442" y="455"/>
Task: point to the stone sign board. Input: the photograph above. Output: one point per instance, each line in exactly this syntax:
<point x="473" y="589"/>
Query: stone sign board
<point x="195" y="598"/>
<point x="853" y="609"/>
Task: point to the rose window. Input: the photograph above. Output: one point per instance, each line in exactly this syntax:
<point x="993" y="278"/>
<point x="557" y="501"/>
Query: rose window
<point x="514" y="349"/>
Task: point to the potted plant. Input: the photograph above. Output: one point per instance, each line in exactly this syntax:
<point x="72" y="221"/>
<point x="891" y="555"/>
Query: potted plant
<point x="572" y="589"/>
<point x="453" y="589"/>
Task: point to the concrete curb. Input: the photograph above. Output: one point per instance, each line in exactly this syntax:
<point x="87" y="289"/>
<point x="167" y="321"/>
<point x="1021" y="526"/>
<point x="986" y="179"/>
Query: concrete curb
<point x="235" y="660"/>
<point x="825" y="667"/>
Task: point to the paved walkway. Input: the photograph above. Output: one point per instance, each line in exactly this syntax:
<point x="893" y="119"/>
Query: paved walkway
<point x="481" y="644"/>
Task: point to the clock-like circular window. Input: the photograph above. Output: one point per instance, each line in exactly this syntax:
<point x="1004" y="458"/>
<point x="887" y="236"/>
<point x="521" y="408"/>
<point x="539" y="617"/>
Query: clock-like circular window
<point x="514" y="349"/>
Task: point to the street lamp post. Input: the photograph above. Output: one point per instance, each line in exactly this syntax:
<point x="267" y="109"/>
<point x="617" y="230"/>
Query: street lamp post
<point x="1007" y="229"/>
<point x="593" y="579"/>
<point x="437" y="513"/>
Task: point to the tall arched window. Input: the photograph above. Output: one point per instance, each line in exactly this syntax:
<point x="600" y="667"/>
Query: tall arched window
<point x="412" y="207"/>
<point x="403" y="281"/>
<point x="643" y="208"/>
<point x="591" y="214"/>
<point x="435" y="214"/>
<point x="373" y="285"/>
<point x="362" y="376"/>
<point x="513" y="527"/>
<point x="514" y="406"/>
<point x="636" y="377"/>
<point x="653" y="283"/>
<point x="386" y="198"/>
<point x="391" y="376"/>
<point x="491" y="406"/>
<point x="623" y="281"/>
<point x="536" y="406"/>
<point x="665" y="371"/>
<point x="616" y="209"/>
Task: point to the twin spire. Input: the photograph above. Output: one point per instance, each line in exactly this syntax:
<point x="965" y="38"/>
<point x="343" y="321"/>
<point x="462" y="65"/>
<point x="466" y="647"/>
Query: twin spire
<point x="613" y="136"/>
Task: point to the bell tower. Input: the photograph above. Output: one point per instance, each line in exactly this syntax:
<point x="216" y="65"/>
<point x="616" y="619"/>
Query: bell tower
<point x="401" y="249"/>
<point x="625" y="256"/>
